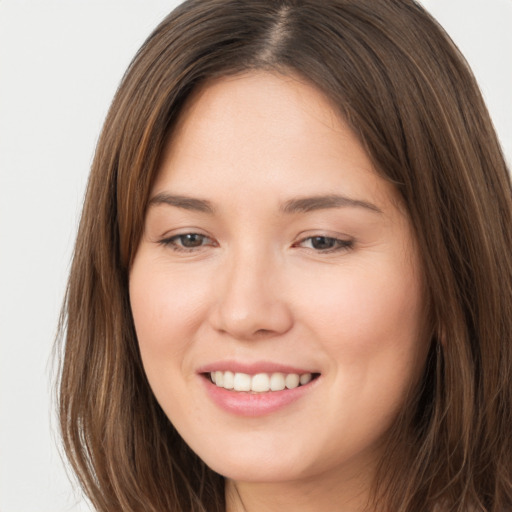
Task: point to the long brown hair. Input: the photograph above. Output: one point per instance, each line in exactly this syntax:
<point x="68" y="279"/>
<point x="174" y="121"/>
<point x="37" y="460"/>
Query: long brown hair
<point x="409" y="95"/>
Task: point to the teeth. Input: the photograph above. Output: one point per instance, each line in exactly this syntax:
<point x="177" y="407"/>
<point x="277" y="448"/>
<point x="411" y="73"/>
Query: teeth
<point x="242" y="382"/>
<point x="229" y="380"/>
<point x="259" y="383"/>
<point x="305" y="378"/>
<point x="292" y="380"/>
<point x="277" y="382"/>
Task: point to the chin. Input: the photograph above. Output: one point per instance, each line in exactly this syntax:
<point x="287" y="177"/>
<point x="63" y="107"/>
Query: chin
<point x="254" y="464"/>
<point x="242" y="471"/>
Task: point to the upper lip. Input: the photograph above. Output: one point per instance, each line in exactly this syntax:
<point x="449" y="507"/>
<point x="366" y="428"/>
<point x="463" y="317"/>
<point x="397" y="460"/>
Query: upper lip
<point x="252" y="368"/>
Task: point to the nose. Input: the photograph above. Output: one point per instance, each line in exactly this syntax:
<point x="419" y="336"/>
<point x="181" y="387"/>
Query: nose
<point x="251" y="298"/>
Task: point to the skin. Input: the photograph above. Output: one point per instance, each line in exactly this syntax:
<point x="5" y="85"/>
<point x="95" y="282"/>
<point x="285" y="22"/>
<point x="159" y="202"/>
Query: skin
<point x="257" y="287"/>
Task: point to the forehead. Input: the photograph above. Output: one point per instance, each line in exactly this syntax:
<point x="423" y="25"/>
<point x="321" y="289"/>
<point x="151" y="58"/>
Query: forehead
<point x="259" y="92"/>
<point x="264" y="132"/>
<point x="258" y="104"/>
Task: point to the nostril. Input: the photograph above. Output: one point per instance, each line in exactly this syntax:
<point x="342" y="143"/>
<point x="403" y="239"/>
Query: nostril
<point x="262" y="333"/>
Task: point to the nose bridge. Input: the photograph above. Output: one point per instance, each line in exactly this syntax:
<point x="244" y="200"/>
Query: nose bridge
<point x="252" y="302"/>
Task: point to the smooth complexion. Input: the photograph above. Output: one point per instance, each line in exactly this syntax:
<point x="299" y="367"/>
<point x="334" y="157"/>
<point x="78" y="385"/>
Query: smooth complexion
<point x="271" y="245"/>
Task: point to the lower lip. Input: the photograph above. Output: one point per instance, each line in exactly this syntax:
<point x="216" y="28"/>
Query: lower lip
<point x="255" y="404"/>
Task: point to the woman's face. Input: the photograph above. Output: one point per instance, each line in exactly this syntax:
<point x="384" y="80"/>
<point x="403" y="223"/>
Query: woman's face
<point x="273" y="255"/>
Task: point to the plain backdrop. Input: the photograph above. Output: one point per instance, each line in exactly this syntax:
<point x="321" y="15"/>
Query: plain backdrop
<point x="60" y="64"/>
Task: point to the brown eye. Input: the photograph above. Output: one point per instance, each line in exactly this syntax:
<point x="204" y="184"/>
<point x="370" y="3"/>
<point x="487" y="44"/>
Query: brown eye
<point x="187" y="242"/>
<point x="326" y="244"/>
<point x="322" y="243"/>
<point x="191" y="240"/>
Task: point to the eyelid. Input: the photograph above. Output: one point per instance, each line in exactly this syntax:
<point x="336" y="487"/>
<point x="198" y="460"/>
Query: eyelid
<point x="171" y="241"/>
<point x="342" y="243"/>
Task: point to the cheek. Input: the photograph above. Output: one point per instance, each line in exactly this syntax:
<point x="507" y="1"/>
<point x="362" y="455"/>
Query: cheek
<point x="371" y="328"/>
<point x="370" y="305"/>
<point x="167" y="308"/>
<point x="371" y="324"/>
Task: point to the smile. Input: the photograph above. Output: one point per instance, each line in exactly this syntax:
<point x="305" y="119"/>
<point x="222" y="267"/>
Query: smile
<point x="251" y="395"/>
<point x="260" y="382"/>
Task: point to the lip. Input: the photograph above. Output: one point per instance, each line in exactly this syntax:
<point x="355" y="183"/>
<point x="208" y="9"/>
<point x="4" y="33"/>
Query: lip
<point x="248" y="404"/>
<point x="252" y="368"/>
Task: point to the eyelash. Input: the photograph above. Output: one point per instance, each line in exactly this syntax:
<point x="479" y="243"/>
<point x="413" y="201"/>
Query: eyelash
<point x="176" y="243"/>
<point x="338" y="244"/>
<point x="172" y="242"/>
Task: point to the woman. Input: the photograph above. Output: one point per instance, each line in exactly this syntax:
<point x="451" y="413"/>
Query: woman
<point x="291" y="287"/>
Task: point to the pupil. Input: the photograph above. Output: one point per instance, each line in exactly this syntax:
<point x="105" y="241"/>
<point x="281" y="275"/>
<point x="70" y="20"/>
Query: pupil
<point x="322" y="242"/>
<point x="192" y="240"/>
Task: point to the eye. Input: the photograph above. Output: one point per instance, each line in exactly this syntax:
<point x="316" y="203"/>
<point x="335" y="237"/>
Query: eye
<point x="325" y="244"/>
<point x="187" y="242"/>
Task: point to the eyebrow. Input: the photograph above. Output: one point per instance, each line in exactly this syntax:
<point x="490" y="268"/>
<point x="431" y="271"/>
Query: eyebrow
<point x="185" y="202"/>
<point x="297" y="205"/>
<point x="309" y="204"/>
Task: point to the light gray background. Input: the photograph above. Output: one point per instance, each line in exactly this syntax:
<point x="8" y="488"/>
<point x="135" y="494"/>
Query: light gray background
<point x="60" y="63"/>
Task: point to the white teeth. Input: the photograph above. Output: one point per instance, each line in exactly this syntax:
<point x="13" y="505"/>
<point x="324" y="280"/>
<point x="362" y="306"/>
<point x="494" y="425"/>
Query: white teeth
<point x="242" y="382"/>
<point x="277" y="382"/>
<point x="229" y="378"/>
<point x="305" y="378"/>
<point x="292" y="380"/>
<point x="259" y="383"/>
